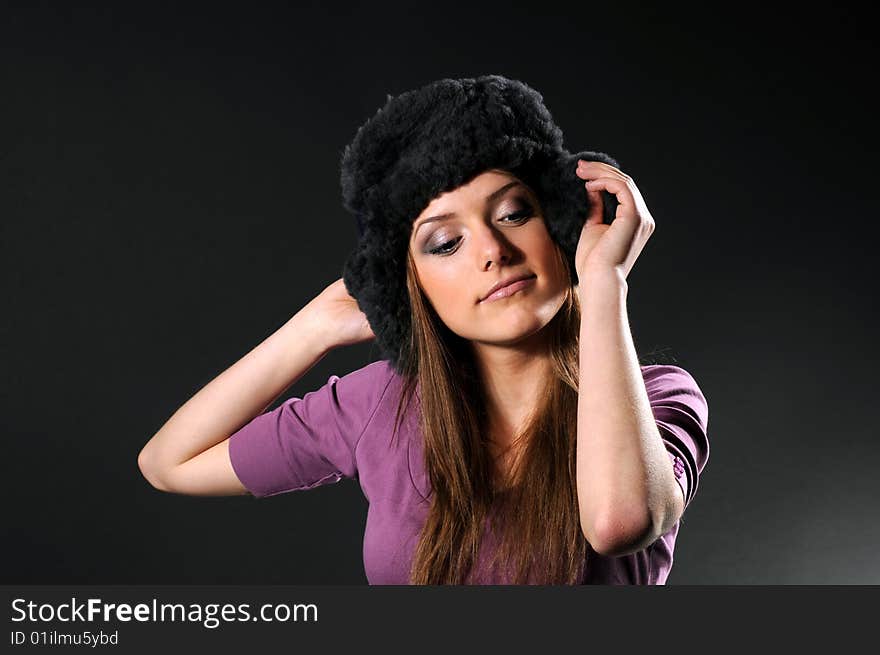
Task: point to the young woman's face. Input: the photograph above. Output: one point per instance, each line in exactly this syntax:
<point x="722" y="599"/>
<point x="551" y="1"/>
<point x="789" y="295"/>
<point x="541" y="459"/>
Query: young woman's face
<point x="490" y="229"/>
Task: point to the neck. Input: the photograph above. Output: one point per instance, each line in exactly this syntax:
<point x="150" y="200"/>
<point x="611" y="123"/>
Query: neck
<point x="512" y="379"/>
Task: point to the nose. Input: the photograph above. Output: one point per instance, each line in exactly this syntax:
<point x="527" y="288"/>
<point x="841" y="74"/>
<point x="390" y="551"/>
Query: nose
<point x="492" y="247"/>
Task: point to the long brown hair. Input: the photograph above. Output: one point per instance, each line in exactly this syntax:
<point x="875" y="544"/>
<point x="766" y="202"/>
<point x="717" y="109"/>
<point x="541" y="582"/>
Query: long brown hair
<point x="535" y="518"/>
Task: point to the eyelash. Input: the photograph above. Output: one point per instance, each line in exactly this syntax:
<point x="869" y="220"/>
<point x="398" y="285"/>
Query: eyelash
<point x="523" y="213"/>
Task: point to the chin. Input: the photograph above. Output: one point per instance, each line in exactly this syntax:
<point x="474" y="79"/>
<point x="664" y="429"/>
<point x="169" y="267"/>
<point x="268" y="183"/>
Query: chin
<point x="512" y="333"/>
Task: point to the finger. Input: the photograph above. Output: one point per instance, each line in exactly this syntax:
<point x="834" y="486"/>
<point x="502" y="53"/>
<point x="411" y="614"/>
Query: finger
<point x="612" y="185"/>
<point x="591" y="174"/>
<point x="598" y="167"/>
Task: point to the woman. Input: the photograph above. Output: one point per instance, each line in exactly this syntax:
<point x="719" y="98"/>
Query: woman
<point x="508" y="434"/>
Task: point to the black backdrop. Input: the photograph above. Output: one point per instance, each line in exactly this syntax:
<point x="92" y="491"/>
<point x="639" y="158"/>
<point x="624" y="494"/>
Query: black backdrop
<point x="170" y="197"/>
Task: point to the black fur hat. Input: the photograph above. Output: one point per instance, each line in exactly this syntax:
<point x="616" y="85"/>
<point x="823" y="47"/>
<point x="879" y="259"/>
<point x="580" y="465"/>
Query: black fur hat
<point x="433" y="139"/>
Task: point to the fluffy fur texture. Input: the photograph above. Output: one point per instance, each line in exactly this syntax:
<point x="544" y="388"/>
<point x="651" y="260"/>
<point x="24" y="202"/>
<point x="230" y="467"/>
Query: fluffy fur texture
<point x="433" y="139"/>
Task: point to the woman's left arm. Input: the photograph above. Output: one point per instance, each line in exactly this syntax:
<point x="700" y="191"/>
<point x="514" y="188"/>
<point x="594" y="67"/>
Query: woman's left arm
<point x="627" y="492"/>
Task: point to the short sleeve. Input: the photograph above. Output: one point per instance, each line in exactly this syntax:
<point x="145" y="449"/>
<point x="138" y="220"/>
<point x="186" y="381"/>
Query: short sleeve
<point x="682" y="415"/>
<point x="309" y="441"/>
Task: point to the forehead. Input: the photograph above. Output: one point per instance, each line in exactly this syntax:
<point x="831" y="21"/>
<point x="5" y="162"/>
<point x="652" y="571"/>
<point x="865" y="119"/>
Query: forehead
<point x="473" y="192"/>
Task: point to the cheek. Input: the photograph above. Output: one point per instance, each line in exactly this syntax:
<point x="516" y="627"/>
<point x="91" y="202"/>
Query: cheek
<point x="445" y="286"/>
<point x="540" y="251"/>
<point x="556" y="264"/>
<point x="447" y="289"/>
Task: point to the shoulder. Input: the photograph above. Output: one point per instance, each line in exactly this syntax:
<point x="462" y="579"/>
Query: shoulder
<point x="682" y="413"/>
<point x="671" y="384"/>
<point x="378" y="372"/>
<point x="362" y="390"/>
<point x="367" y="382"/>
<point x="666" y="373"/>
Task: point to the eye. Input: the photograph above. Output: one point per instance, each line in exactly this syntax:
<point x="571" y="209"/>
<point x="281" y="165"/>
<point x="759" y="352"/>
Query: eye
<point x="520" y="216"/>
<point x="443" y="249"/>
<point x="516" y="218"/>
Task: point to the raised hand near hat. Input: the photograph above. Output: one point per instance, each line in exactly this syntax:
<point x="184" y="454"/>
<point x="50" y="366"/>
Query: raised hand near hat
<point x="337" y="316"/>
<point x="601" y="247"/>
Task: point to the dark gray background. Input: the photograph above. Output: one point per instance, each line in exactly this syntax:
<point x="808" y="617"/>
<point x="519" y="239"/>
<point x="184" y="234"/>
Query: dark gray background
<point x="170" y="197"/>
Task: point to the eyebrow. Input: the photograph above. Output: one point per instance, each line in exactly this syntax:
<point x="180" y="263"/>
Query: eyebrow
<point x="492" y="196"/>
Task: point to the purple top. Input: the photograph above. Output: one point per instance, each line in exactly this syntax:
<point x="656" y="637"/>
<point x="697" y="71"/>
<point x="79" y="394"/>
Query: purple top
<point x="343" y="430"/>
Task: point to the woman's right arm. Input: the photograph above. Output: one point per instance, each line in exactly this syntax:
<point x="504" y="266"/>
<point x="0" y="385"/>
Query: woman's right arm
<point x="190" y="453"/>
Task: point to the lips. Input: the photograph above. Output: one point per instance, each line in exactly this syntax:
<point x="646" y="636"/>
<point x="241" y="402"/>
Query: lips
<point x="507" y="282"/>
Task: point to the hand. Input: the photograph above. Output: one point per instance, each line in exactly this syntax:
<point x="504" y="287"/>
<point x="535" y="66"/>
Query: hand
<point x="616" y="246"/>
<point x="336" y="314"/>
